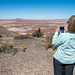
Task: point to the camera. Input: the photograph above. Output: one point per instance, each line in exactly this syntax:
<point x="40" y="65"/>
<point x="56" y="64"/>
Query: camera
<point x="62" y="28"/>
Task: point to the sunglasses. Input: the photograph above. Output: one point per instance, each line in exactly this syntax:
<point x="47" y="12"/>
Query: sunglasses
<point x="67" y="21"/>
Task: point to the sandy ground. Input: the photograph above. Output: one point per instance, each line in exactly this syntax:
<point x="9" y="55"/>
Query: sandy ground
<point x="35" y="61"/>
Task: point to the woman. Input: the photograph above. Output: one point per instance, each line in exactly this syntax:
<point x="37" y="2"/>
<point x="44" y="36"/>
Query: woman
<point x="64" y="57"/>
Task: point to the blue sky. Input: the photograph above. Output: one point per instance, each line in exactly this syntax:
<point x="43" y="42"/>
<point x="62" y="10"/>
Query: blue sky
<point x="37" y="9"/>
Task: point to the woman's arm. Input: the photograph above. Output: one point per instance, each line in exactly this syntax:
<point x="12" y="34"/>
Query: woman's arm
<point x="57" y="40"/>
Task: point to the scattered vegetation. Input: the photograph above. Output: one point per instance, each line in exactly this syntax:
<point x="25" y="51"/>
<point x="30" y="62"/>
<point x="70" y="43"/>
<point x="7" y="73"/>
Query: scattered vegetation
<point x="38" y="33"/>
<point x="22" y="48"/>
<point x="15" y="50"/>
<point x="48" y="42"/>
<point x="47" y="45"/>
<point x="20" y="37"/>
<point x="27" y="36"/>
<point x="6" y="47"/>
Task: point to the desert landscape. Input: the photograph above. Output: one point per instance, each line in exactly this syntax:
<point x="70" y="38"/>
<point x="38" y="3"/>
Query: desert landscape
<point x="22" y="26"/>
<point x="36" y="59"/>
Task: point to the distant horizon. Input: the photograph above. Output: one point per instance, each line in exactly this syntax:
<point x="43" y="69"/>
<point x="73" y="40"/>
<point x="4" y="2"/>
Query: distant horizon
<point x="31" y="19"/>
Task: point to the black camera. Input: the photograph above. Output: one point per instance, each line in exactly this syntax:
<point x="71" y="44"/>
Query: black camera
<point x="62" y="28"/>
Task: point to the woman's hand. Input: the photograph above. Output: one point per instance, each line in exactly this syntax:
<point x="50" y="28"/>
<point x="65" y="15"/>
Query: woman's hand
<point x="57" y="30"/>
<point x="65" y="29"/>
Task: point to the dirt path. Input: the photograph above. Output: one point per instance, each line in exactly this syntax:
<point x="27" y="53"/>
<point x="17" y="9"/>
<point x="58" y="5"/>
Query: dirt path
<point x="35" y="61"/>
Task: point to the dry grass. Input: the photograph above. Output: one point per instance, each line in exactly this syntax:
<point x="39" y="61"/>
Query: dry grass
<point x="22" y="48"/>
<point x="48" y="42"/>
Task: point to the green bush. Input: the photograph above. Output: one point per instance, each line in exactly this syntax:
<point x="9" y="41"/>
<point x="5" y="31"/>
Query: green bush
<point x="38" y="33"/>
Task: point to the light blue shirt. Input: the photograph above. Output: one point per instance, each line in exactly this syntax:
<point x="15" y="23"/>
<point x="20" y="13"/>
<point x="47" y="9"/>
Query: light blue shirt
<point x="66" y="47"/>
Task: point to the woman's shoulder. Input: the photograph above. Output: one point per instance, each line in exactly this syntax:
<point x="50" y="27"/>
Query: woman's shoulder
<point x="67" y="35"/>
<point x="64" y="34"/>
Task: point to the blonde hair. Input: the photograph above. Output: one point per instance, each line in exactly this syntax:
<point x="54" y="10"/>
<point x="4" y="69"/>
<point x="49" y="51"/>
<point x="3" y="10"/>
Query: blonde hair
<point x="71" y="24"/>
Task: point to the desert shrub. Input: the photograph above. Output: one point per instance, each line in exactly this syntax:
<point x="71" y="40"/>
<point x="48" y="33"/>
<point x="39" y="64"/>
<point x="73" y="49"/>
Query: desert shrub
<point x="14" y="51"/>
<point x="38" y="33"/>
<point x="48" y="42"/>
<point x="20" y="37"/>
<point x="6" y="47"/>
<point x="27" y="36"/>
<point x="53" y="47"/>
<point x="22" y="48"/>
<point x="47" y="45"/>
<point x="49" y="37"/>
